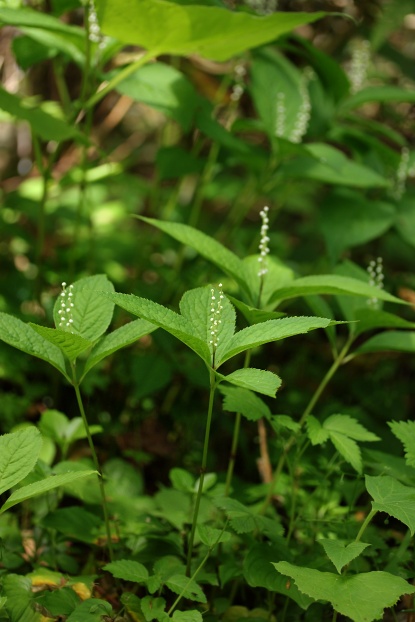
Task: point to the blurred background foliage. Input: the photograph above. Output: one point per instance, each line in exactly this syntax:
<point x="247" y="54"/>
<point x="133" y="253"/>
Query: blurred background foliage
<point x="204" y="143"/>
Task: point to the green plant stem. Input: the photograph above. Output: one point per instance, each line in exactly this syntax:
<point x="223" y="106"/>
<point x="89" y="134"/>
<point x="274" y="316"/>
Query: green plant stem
<point x="293" y="438"/>
<point x="202" y="470"/>
<point x="96" y="463"/>
<point x="366" y="522"/>
<point x="235" y="438"/>
<point x="196" y="572"/>
<point x="121" y="75"/>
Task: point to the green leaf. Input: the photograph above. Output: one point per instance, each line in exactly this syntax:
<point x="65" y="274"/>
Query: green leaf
<point x="258" y="572"/>
<point x="182" y="479"/>
<point x="402" y="341"/>
<point x="341" y="553"/>
<point x="348" y="448"/>
<point x="128" y="570"/>
<point x="258" y="380"/>
<point x="42" y="486"/>
<point x="70" y="344"/>
<point x="42" y="123"/>
<point x="392" y="497"/>
<point x="216" y="33"/>
<point x="211" y="537"/>
<point x="75" y="522"/>
<point x="405" y="432"/>
<point x="71" y="44"/>
<point x="22" y="336"/>
<point x="243" y="519"/>
<point x="172" y="322"/>
<point x="243" y="401"/>
<point x="378" y="94"/>
<point x="329" y="165"/>
<point x="187" y="616"/>
<point x="180" y="584"/>
<point x="19" y="452"/>
<point x="164" y="88"/>
<point x="368" y="319"/>
<point x="209" y="248"/>
<point x="119" y="338"/>
<point x="316" y="433"/>
<point x="272" y="74"/>
<point x="348" y="220"/>
<point x="272" y="330"/>
<point x="20" y="600"/>
<point x="344" y="424"/>
<point x="196" y="307"/>
<point x="349" y="594"/>
<point x="153" y="608"/>
<point x="331" y="284"/>
<point x="91" y="313"/>
<point x="252" y="314"/>
<point x="91" y="610"/>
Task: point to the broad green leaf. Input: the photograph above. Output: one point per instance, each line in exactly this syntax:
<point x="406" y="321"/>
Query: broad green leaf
<point x="119" y="338"/>
<point x="20" y="599"/>
<point x="344" y="424"/>
<point x="341" y="553"/>
<point x="331" y="284"/>
<point x="405" y="432"/>
<point x="164" y="88"/>
<point x="191" y="615"/>
<point x="237" y="400"/>
<point x="378" y="94"/>
<point x="19" y="452"/>
<point x="405" y="218"/>
<point x="394" y="498"/>
<point x="3" y="600"/>
<point x="22" y="336"/>
<point x="284" y="422"/>
<point x="182" y="479"/>
<point x="196" y="307"/>
<point x="59" y="428"/>
<point x="61" y="601"/>
<point x="329" y="165"/>
<point x="91" y="312"/>
<point x="69" y="43"/>
<point x="211" y="537"/>
<point x="348" y="448"/>
<point x="25" y="17"/>
<point x="42" y="123"/>
<point x="168" y="28"/>
<point x="172" y="322"/>
<point x="258" y="380"/>
<point x="205" y="245"/>
<point x="153" y="608"/>
<point x="91" y="610"/>
<point x="252" y="314"/>
<point x="272" y="75"/>
<point x="70" y="344"/>
<point x="272" y="330"/>
<point x="316" y="433"/>
<point x="348" y="219"/>
<point x="361" y="597"/>
<point x="180" y="584"/>
<point x="42" y="486"/>
<point x="75" y="522"/>
<point x="243" y="519"/>
<point x="128" y="570"/>
<point x="278" y="275"/>
<point x="259" y="572"/>
<point x="369" y="319"/>
<point x="402" y="341"/>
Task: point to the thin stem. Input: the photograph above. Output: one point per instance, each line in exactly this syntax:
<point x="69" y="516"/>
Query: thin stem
<point x="366" y="522"/>
<point x="121" y="75"/>
<point x="96" y="462"/>
<point x="196" y="572"/>
<point x="293" y="438"/>
<point x="235" y="438"/>
<point x="202" y="470"/>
